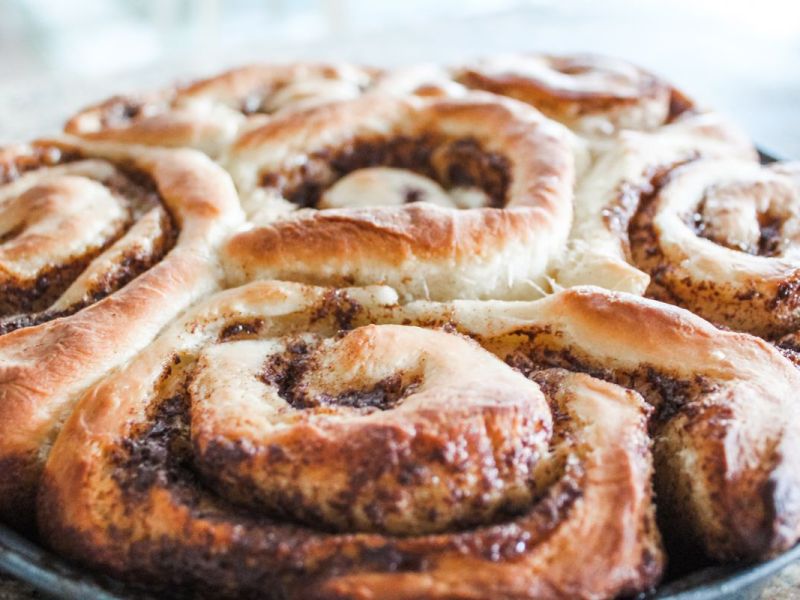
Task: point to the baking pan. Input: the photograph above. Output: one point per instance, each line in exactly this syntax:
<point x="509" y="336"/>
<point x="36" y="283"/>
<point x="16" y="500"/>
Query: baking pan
<point x="54" y="577"/>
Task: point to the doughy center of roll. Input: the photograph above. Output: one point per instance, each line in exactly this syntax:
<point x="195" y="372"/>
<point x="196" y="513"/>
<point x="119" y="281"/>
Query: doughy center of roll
<point x="384" y="186"/>
<point x="757" y="217"/>
<point x="457" y="173"/>
<point x="388" y="428"/>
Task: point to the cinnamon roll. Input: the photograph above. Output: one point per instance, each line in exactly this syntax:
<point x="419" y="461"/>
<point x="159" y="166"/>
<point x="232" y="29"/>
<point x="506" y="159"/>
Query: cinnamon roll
<point x="209" y="113"/>
<point x="438" y="197"/>
<point x="595" y="95"/>
<point x="380" y="372"/>
<point x="100" y="246"/>
<point x="274" y="443"/>
<point x="609" y="194"/>
<point x="725" y="425"/>
<point x="722" y="238"/>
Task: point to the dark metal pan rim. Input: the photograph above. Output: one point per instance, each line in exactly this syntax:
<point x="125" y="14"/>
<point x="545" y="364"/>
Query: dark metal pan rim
<point x="53" y="576"/>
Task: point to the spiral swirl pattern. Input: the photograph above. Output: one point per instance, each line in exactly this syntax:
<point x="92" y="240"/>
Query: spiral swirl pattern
<point x="344" y="406"/>
<point x="595" y="95"/>
<point x="725" y="426"/>
<point x="384" y="460"/>
<point x="208" y="114"/>
<point x="73" y="233"/>
<point x="100" y="247"/>
<point x="722" y="238"/>
<point x="609" y="195"/>
<point x="474" y="196"/>
<point x="199" y="396"/>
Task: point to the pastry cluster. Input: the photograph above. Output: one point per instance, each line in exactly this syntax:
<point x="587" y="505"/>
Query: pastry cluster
<point x="499" y="330"/>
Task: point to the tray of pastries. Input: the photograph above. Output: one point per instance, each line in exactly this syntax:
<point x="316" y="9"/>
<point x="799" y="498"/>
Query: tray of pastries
<point x="527" y="327"/>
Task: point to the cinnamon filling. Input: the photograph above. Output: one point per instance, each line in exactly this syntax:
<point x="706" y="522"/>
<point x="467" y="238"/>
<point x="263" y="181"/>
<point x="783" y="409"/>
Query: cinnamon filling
<point x="385" y="394"/>
<point x="451" y="163"/>
<point x="265" y="99"/>
<point x="621" y="216"/>
<point x="41" y="155"/>
<point x="789" y="346"/>
<point x="753" y="216"/>
<point x="160" y="453"/>
<point x="770" y="238"/>
<point x="241" y="329"/>
<point x="286" y="370"/>
<point x="25" y="303"/>
<point x="340" y="306"/>
<point x="668" y="395"/>
<point x="19" y="299"/>
<point x="766" y="240"/>
<point x="679" y="105"/>
<point x="121" y="111"/>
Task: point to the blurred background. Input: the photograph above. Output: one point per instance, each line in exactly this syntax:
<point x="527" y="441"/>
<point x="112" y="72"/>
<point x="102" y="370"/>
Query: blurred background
<point x="58" y="55"/>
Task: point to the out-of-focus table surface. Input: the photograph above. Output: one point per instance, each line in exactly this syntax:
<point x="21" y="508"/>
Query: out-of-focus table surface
<point x="744" y="72"/>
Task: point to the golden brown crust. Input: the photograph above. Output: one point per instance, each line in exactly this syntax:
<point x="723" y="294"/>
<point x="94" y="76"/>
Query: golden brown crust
<point x="47" y="364"/>
<point x="357" y="433"/>
<point x="609" y="195"/>
<point x="725" y="428"/>
<point x="524" y="163"/>
<point x="121" y="493"/>
<point x="594" y="94"/>
<point x="291" y="441"/>
<point x="207" y="114"/>
<point x="722" y="238"/>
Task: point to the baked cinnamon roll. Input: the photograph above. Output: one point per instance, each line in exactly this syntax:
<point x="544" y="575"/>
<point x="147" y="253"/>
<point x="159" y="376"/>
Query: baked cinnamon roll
<point x="725" y="425"/>
<point x="722" y="238"/>
<point x="100" y="246"/>
<point x="209" y="113"/>
<point x="610" y="193"/>
<point x="271" y="443"/>
<point x="432" y="439"/>
<point x="595" y="95"/>
<point x="440" y="198"/>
